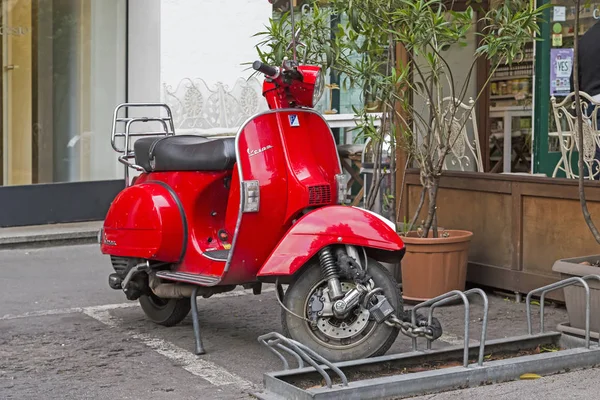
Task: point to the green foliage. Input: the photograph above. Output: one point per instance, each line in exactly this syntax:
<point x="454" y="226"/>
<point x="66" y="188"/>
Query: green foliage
<point x="362" y="50"/>
<point x="508" y="27"/>
<point x="314" y="33"/>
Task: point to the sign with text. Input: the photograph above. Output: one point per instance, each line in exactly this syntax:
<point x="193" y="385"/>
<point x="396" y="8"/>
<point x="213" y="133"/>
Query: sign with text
<point x="560" y="71"/>
<point x="560" y="13"/>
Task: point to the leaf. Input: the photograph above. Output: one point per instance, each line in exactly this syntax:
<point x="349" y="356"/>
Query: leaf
<point x="548" y="348"/>
<point x="535" y="303"/>
<point x="530" y="376"/>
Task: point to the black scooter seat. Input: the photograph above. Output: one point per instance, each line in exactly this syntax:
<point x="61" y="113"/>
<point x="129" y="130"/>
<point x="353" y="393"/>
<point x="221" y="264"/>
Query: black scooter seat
<point x="184" y="153"/>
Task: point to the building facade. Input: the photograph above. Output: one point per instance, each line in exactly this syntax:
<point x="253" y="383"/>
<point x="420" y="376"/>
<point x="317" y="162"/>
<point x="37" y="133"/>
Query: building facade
<point x="68" y="63"/>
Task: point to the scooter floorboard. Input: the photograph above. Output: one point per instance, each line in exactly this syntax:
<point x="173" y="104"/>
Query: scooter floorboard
<point x="203" y="280"/>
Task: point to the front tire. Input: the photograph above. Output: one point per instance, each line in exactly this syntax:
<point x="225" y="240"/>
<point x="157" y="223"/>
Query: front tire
<point x="165" y="312"/>
<point x="374" y="340"/>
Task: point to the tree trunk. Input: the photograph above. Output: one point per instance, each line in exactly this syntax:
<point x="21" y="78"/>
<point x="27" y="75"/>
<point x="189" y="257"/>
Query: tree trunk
<point x="432" y="190"/>
<point x="393" y="199"/>
<point x="418" y="210"/>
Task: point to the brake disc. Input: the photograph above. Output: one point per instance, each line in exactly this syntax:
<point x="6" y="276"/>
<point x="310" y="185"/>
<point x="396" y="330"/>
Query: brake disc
<point x="344" y="330"/>
<point x="337" y="329"/>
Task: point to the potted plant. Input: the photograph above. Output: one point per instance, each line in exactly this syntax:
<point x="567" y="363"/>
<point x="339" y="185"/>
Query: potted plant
<point x="414" y="114"/>
<point x="408" y="96"/>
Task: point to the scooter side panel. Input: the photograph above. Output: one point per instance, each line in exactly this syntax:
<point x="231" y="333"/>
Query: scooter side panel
<point x="144" y="221"/>
<point x="312" y="159"/>
<point x="260" y="158"/>
<point x="327" y="226"/>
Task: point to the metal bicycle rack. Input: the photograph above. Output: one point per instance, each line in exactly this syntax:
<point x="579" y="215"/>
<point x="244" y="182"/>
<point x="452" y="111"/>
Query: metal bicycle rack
<point x="389" y="376"/>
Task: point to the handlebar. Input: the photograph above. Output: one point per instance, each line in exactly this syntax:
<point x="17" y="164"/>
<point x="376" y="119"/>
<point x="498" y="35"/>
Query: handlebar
<point x="265" y="69"/>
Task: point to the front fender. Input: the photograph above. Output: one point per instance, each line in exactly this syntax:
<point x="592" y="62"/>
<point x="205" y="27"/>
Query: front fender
<point x="332" y="225"/>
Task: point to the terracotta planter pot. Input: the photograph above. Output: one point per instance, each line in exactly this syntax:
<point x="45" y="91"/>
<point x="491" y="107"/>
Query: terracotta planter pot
<point x="434" y="266"/>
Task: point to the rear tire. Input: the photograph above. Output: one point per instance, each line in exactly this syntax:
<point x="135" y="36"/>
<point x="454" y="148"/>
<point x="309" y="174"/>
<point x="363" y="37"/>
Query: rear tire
<point x="376" y="342"/>
<point x="165" y="312"/>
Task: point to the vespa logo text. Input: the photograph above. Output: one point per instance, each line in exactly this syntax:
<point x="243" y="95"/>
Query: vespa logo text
<point x="252" y="153"/>
<point x="109" y="242"/>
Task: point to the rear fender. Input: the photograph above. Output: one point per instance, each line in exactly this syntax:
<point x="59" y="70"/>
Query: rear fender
<point x="328" y="226"/>
<point x="146" y="221"/>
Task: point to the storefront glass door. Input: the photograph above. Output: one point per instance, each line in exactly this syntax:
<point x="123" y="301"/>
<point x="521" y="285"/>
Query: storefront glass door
<point x="63" y="72"/>
<point x="17" y="77"/>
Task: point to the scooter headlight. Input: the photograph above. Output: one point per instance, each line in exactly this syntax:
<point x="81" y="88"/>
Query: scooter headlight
<point x="319" y="88"/>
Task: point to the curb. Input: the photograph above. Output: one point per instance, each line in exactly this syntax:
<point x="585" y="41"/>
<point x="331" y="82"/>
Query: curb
<point x="49" y="239"/>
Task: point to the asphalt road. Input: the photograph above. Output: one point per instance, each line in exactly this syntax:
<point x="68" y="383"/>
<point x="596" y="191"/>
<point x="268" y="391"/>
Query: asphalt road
<point x="64" y="334"/>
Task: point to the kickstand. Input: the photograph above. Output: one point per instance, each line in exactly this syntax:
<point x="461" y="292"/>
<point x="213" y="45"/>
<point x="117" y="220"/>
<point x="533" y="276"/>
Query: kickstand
<point x="199" y="347"/>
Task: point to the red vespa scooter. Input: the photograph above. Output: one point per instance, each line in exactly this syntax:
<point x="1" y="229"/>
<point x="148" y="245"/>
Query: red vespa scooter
<point x="206" y="215"/>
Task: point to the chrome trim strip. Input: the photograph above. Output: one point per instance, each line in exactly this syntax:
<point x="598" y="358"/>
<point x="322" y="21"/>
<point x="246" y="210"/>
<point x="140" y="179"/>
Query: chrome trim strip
<point x="215" y="259"/>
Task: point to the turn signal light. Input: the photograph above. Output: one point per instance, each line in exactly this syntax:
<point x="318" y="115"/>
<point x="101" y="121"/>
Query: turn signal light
<point x="251" y="193"/>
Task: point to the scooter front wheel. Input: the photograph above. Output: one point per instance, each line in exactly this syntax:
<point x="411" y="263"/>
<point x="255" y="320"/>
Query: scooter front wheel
<point x="166" y="312"/>
<point x="354" y="337"/>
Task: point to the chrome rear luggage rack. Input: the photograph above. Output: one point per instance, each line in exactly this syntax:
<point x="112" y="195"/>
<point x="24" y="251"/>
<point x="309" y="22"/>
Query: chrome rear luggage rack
<point x="127" y="157"/>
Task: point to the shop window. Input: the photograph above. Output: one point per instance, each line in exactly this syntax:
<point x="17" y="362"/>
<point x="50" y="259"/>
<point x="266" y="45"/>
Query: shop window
<point x="63" y="73"/>
<point x="562" y="36"/>
<point x="511" y="114"/>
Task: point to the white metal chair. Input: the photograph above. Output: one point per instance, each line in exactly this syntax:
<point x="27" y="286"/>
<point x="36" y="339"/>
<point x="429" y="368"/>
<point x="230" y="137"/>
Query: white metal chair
<point x="458" y="119"/>
<point x="567" y="132"/>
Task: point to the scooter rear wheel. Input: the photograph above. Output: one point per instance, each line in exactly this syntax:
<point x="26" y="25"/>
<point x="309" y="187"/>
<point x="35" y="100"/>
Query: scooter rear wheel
<point x="166" y="312"/>
<point x="368" y="340"/>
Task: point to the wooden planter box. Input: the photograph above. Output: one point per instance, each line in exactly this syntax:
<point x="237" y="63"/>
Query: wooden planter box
<point x="575" y="295"/>
<point x="521" y="224"/>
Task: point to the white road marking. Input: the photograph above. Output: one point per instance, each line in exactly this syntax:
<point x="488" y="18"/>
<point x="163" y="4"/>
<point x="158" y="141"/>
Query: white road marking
<point x="209" y="371"/>
<point x="105" y="307"/>
<point x="62" y="311"/>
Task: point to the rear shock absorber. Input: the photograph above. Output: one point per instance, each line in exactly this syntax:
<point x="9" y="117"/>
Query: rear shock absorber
<point x="330" y="272"/>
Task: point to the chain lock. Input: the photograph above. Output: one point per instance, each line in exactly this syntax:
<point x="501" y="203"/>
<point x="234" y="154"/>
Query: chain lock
<point x="408" y="329"/>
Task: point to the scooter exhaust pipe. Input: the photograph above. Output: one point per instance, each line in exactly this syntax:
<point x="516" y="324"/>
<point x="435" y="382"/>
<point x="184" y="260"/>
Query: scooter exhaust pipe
<point x="173" y="291"/>
<point x="169" y="290"/>
<point x="114" y="281"/>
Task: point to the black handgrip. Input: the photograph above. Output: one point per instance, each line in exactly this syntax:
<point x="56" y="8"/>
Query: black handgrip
<point x="264" y="68"/>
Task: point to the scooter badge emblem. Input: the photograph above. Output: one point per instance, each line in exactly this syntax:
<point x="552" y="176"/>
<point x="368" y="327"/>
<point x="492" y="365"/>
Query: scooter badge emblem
<point x="294" y="121"/>
<point x="109" y="242"/>
<point x="252" y="153"/>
